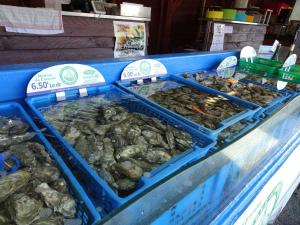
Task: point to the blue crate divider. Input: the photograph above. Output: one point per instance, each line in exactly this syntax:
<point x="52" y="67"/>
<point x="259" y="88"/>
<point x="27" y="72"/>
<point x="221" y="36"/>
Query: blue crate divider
<point x="103" y="193"/>
<point x="85" y="208"/>
<point x="251" y="110"/>
<point x="250" y="125"/>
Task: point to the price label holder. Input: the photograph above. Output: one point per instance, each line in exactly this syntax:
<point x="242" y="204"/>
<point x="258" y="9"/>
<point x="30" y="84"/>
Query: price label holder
<point x="143" y="69"/>
<point x="83" y="92"/>
<point x="60" y="96"/>
<point x="248" y="53"/>
<point x="227" y="67"/>
<point x="60" y="78"/>
<point x="290" y="61"/>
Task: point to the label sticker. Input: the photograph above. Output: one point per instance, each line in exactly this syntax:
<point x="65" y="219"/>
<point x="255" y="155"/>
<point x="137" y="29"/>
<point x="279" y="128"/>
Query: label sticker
<point x="227" y="67"/>
<point x="290" y="61"/>
<point x="64" y="77"/>
<point x="142" y="69"/>
<point x="274" y="46"/>
<point x="228" y="62"/>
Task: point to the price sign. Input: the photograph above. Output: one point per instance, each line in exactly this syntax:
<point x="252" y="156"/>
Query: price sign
<point x="290" y="61"/>
<point x="142" y="69"/>
<point x="227" y="67"/>
<point x="248" y="52"/>
<point x="63" y="77"/>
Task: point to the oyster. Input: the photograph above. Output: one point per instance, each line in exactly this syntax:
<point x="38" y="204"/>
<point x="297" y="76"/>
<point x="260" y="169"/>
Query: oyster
<point x="248" y="91"/>
<point x="198" y="106"/>
<point x="23" y="204"/>
<point x="62" y="203"/>
<point x="119" y="145"/>
<point x="130" y="170"/>
<point x="12" y="183"/>
<point x="53" y="220"/>
<point x="23" y="209"/>
<point x="60" y="185"/>
<point x="46" y="173"/>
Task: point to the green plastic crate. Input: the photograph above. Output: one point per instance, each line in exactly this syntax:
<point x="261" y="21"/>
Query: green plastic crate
<point x="292" y="76"/>
<point x="261" y="67"/>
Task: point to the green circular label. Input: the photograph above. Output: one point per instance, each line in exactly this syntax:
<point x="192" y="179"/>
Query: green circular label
<point x="68" y="75"/>
<point x="145" y="67"/>
<point x="269" y="205"/>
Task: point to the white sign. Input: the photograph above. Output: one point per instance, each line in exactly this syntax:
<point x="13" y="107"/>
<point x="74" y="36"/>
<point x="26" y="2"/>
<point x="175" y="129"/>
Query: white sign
<point x="227" y="67"/>
<point x="63" y="77"/>
<point x="290" y="61"/>
<point x="228" y="30"/>
<point x="248" y="52"/>
<point x="218" y="37"/>
<point x="272" y="197"/>
<point x="142" y="69"/>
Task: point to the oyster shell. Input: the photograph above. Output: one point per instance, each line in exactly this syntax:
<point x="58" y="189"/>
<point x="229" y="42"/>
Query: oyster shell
<point x="59" y="202"/>
<point x="13" y="183"/>
<point x="23" y="209"/>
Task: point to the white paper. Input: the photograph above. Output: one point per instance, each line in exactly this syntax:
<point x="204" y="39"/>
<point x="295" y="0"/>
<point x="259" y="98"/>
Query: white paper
<point x="228" y="30"/>
<point x="218" y="37"/>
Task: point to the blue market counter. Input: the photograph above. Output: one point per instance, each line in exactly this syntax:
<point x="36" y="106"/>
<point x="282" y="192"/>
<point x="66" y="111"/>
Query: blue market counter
<point x="245" y="182"/>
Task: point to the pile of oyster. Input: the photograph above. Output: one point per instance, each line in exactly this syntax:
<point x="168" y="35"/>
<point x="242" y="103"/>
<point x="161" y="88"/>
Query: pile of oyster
<point x="121" y="146"/>
<point x="250" y="92"/>
<point x="36" y="193"/>
<point x="201" y="107"/>
<point x="273" y="82"/>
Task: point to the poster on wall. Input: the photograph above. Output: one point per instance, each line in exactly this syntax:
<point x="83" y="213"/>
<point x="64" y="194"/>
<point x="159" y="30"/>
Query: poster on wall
<point x="130" y="39"/>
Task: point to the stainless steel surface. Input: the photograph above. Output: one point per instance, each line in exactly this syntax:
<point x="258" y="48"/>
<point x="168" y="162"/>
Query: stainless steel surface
<point x="98" y="16"/>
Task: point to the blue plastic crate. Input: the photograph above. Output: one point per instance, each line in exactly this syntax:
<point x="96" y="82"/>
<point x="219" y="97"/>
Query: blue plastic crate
<point x="251" y="110"/>
<point x="234" y="136"/>
<point x="85" y="208"/>
<point x="285" y="95"/>
<point x="92" y="182"/>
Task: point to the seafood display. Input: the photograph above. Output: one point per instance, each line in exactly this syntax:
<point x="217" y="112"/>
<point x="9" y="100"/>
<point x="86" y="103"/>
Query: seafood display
<point x="250" y="92"/>
<point x="233" y="131"/>
<point x="273" y="82"/>
<point x="37" y="192"/>
<point x="119" y="145"/>
<point x="201" y="107"/>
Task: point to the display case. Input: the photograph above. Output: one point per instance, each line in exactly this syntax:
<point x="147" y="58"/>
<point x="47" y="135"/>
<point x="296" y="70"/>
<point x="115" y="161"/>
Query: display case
<point x="237" y="183"/>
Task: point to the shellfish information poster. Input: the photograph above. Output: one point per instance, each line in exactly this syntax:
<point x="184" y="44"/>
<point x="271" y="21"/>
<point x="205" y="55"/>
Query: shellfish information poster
<point x="130" y="39"/>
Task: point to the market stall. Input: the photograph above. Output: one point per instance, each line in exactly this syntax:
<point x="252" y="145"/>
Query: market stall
<point x="73" y="104"/>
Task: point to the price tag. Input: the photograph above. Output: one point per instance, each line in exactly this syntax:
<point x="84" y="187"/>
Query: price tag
<point x="247" y="53"/>
<point x="143" y="69"/>
<point x="83" y="92"/>
<point x="290" y="61"/>
<point x="60" y="96"/>
<point x="63" y="77"/>
<point x="227" y="67"/>
<point x="274" y="46"/>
